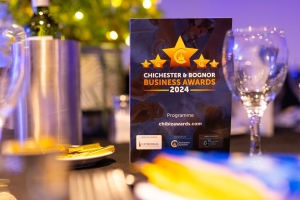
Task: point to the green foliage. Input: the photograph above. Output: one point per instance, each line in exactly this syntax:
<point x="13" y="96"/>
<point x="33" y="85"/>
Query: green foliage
<point x="100" y="17"/>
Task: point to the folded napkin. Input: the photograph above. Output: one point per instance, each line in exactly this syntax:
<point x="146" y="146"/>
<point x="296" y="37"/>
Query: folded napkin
<point x="214" y="176"/>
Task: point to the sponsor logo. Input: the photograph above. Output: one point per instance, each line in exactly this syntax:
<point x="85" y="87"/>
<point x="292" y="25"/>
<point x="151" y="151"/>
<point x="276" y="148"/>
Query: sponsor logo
<point x="207" y="143"/>
<point x="174" y="143"/>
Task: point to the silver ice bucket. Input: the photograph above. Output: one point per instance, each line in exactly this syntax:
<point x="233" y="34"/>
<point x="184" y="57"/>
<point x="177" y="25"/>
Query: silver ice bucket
<point x="52" y="104"/>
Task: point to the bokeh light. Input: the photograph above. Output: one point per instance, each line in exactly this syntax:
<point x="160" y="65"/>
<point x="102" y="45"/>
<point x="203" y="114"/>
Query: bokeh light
<point x="113" y="35"/>
<point x="147" y="4"/>
<point x="127" y="41"/>
<point x="116" y="3"/>
<point x="79" y="15"/>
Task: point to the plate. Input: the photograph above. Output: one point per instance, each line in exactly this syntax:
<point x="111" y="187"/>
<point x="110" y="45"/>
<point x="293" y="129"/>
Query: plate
<point x="88" y="160"/>
<point x="85" y="161"/>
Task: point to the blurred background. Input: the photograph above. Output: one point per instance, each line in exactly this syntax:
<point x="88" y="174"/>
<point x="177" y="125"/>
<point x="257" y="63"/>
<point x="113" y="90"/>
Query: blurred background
<point x="244" y="13"/>
<point x="102" y="28"/>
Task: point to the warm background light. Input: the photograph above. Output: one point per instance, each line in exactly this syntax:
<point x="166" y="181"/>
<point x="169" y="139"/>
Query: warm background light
<point x="112" y="35"/>
<point x="127" y="41"/>
<point x="79" y="15"/>
<point x="91" y="21"/>
<point x="147" y="4"/>
<point x="116" y="3"/>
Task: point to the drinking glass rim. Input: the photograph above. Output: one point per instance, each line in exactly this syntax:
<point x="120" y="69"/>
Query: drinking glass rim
<point x="255" y="30"/>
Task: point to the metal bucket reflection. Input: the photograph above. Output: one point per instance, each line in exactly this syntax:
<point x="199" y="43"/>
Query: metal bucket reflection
<point x="52" y="105"/>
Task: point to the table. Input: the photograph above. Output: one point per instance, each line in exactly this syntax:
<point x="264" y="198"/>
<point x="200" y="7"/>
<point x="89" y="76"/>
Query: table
<point x="283" y="141"/>
<point x="23" y="184"/>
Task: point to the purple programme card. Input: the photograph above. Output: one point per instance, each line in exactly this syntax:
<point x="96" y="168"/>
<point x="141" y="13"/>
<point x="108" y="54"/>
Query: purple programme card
<point x="178" y="96"/>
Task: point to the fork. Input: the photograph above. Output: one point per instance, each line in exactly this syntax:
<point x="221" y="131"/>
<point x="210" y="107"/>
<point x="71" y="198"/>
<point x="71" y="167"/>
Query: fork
<point x="97" y="184"/>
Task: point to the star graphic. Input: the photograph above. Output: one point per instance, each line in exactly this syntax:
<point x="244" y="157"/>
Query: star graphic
<point x="180" y="55"/>
<point x="158" y="62"/>
<point x="201" y="62"/>
<point x="145" y="64"/>
<point x="214" y="63"/>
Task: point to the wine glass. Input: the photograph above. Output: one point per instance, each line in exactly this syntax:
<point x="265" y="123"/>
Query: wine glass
<point x="12" y="68"/>
<point x="255" y="66"/>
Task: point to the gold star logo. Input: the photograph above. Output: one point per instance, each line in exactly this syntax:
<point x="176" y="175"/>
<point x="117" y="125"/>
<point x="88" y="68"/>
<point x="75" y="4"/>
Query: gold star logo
<point x="158" y="62"/>
<point x="201" y="62"/>
<point x="180" y="55"/>
<point x="145" y="64"/>
<point x="214" y="63"/>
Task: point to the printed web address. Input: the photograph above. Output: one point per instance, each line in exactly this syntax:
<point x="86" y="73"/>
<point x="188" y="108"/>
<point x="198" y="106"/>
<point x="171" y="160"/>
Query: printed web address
<point x="180" y="124"/>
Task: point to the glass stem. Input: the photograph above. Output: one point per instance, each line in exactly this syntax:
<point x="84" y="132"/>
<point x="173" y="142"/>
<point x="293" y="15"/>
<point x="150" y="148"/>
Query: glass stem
<point x="255" y="147"/>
